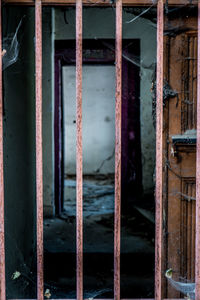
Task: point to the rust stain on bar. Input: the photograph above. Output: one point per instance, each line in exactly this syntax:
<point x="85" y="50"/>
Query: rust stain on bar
<point x="79" y="155"/>
<point x="159" y="156"/>
<point x="118" y="105"/>
<point x="197" y="253"/>
<point x="2" y="226"/>
<point x="39" y="164"/>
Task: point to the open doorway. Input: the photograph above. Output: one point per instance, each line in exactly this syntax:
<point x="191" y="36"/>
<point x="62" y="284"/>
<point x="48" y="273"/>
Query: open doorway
<point x="99" y="118"/>
<point x="138" y="151"/>
<point x="98" y="168"/>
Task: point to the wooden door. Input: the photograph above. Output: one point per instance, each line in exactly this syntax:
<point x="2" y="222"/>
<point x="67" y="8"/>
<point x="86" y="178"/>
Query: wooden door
<point x="180" y="88"/>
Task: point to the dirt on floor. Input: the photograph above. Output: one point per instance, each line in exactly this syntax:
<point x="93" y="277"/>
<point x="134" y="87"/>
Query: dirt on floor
<point x="137" y="245"/>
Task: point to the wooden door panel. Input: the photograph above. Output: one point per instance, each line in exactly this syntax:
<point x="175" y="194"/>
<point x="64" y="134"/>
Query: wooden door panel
<point x="189" y="82"/>
<point x="181" y="216"/>
<point x="187" y="233"/>
<point x="180" y="150"/>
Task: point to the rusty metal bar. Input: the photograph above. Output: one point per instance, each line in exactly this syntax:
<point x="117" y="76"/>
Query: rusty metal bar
<point x="197" y="242"/>
<point x="118" y="117"/>
<point x="39" y="162"/>
<point x="159" y="149"/>
<point x="2" y="225"/>
<point x="79" y="155"/>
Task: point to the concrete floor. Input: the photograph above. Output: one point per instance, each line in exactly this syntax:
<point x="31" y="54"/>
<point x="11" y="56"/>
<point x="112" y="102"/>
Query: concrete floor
<point x="98" y="211"/>
<point x="137" y="246"/>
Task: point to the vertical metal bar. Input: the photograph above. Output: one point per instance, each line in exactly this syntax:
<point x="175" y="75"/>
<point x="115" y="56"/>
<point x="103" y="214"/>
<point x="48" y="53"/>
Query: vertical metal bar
<point x="118" y="121"/>
<point x="79" y="156"/>
<point x="159" y="150"/>
<point x="197" y="242"/>
<point x="2" y="227"/>
<point x="39" y="161"/>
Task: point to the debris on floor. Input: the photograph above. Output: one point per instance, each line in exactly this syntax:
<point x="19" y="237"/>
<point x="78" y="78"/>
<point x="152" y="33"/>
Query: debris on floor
<point x="137" y="244"/>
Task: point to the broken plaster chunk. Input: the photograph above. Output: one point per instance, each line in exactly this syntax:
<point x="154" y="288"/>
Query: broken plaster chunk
<point x="16" y="275"/>
<point x="47" y="293"/>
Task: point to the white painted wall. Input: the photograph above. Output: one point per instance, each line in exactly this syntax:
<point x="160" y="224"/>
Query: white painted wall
<point x="99" y="23"/>
<point x="98" y="118"/>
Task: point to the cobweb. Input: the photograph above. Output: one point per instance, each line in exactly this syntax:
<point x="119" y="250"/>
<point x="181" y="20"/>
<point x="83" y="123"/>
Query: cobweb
<point x="11" y="48"/>
<point x="186" y="288"/>
<point x="23" y="278"/>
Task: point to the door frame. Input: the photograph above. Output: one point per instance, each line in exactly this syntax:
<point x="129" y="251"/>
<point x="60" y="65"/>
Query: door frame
<point x="99" y="52"/>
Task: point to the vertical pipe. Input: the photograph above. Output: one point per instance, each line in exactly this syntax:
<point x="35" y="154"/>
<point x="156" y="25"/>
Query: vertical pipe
<point x="159" y="158"/>
<point x="39" y="162"/>
<point x="197" y="242"/>
<point x="79" y="156"/>
<point x="118" y="117"/>
<point x="2" y="229"/>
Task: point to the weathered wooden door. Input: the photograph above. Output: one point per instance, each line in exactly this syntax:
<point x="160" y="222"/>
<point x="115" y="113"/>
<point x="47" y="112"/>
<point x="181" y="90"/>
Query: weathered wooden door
<point x="180" y="146"/>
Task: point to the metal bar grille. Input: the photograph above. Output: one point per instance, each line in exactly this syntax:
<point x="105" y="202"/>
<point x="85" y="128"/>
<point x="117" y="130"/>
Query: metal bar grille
<point x="159" y="158"/>
<point x="2" y="229"/>
<point x="118" y="144"/>
<point x="39" y="167"/>
<point x="39" y="161"/>
<point x="197" y="254"/>
<point x="79" y="157"/>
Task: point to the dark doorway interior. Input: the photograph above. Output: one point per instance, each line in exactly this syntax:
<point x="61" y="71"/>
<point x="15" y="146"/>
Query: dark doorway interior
<point x="137" y="247"/>
<point x="102" y="52"/>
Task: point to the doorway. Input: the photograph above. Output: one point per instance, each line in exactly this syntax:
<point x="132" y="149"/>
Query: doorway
<point x="98" y="168"/>
<point x="98" y="151"/>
